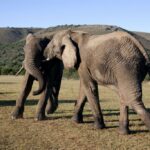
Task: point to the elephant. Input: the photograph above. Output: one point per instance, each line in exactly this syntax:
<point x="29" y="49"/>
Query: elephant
<point x="116" y="59"/>
<point x="50" y="74"/>
<point x="33" y="53"/>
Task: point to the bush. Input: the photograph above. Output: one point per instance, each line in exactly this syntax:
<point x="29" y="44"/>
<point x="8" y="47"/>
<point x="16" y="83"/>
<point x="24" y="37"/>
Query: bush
<point x="147" y="78"/>
<point x="70" y="74"/>
<point x="6" y="70"/>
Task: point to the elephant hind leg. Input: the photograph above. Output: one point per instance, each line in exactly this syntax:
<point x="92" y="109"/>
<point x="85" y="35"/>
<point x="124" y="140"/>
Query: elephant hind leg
<point x="140" y="109"/>
<point x="132" y="94"/>
<point x="123" y="119"/>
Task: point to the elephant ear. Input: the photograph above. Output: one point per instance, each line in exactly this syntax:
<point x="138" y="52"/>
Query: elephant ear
<point x="69" y="56"/>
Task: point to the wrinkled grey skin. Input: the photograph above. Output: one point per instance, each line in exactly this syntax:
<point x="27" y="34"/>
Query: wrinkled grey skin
<point x="52" y="73"/>
<point x="116" y="59"/>
<point x="33" y="50"/>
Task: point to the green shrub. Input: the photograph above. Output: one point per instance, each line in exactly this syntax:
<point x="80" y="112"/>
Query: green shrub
<point x="147" y="78"/>
<point x="71" y="73"/>
<point x="6" y="70"/>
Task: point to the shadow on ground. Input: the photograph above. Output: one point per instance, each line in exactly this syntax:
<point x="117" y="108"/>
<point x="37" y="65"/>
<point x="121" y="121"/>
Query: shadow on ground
<point x="4" y="103"/>
<point x="30" y="102"/>
<point x="106" y="112"/>
<point x="7" y="93"/>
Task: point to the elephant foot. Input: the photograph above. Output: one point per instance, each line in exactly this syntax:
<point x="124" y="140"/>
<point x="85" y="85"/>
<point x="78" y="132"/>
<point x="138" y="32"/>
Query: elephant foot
<point x="51" y="109"/>
<point x="77" y="119"/>
<point x="146" y="120"/>
<point x="40" y="116"/>
<point x="17" y="113"/>
<point x="124" y="131"/>
<point x="124" y="128"/>
<point x="99" y="124"/>
<point x="13" y="117"/>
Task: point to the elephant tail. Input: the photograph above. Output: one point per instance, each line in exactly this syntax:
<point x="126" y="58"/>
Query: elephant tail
<point x="22" y="67"/>
<point x="141" y="47"/>
<point x="145" y="54"/>
<point x="19" y="71"/>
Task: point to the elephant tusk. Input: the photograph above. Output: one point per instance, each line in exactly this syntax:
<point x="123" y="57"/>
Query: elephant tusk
<point x="19" y="71"/>
<point x="45" y="60"/>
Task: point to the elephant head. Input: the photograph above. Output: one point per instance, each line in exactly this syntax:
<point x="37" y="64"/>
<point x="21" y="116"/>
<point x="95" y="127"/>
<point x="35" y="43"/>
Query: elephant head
<point x="33" y="50"/>
<point x="62" y="47"/>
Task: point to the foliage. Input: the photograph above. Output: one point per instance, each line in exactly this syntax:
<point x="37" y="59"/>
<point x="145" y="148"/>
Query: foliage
<point x="11" y="62"/>
<point x="11" y="57"/>
<point x="72" y="73"/>
<point x="11" y="53"/>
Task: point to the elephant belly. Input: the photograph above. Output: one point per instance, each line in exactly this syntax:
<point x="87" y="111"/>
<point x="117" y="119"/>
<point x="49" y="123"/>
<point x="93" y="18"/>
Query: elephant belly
<point x="104" y="78"/>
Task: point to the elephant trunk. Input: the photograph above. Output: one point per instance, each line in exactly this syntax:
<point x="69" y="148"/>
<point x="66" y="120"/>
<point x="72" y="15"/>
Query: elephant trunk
<point x="33" y="69"/>
<point x="48" y="54"/>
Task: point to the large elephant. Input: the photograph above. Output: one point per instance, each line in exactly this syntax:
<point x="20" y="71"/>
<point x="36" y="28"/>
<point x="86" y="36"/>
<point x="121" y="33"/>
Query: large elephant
<point x="49" y="81"/>
<point x="117" y="59"/>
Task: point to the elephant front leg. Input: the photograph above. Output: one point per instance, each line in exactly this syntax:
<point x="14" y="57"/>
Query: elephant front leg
<point x="52" y="104"/>
<point x="79" y="105"/>
<point x="40" y="111"/>
<point x="54" y="82"/>
<point x="91" y="91"/>
<point x="123" y="120"/>
<point x="26" y="88"/>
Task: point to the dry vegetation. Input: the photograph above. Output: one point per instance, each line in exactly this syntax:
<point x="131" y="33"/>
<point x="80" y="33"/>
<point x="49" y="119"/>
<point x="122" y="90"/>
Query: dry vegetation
<point x="58" y="132"/>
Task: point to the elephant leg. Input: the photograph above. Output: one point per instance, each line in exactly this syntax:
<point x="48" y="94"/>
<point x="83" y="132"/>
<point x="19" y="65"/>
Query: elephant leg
<point x="132" y="94"/>
<point x="79" y="105"/>
<point x="54" y="71"/>
<point x="49" y="97"/>
<point x="52" y="104"/>
<point x="40" y="110"/>
<point x="123" y="120"/>
<point x="45" y="96"/>
<point x="91" y="91"/>
<point x="26" y="88"/>
<point x="93" y="99"/>
<point x="140" y="109"/>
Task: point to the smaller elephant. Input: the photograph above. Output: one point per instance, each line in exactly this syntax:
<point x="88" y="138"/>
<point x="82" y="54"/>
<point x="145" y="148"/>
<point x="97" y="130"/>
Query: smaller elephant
<point x="115" y="59"/>
<point x="51" y="74"/>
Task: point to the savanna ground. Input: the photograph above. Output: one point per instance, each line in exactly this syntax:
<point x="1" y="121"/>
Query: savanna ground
<point x="58" y="131"/>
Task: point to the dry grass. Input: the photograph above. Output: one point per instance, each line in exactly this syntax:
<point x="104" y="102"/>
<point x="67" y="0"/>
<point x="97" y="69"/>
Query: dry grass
<point x="58" y="132"/>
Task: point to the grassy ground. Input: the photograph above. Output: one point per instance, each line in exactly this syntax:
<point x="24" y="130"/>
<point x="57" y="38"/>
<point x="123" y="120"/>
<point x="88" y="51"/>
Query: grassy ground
<point x="58" y="132"/>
